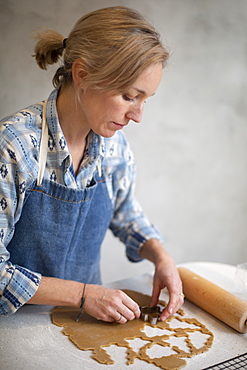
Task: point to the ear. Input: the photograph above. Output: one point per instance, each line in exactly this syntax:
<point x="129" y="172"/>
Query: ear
<point x="78" y="72"/>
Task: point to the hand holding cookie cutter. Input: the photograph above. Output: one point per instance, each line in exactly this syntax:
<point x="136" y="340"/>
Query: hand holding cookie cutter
<point x="150" y="314"/>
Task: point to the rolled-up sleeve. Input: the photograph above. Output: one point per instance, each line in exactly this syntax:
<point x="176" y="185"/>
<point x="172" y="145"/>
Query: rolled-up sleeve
<point x="17" y="284"/>
<point x="129" y="223"/>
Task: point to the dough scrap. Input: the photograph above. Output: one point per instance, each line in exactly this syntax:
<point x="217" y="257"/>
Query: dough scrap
<point x="94" y="335"/>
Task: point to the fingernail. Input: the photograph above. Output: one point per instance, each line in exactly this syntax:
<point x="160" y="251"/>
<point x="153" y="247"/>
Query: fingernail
<point x="170" y="311"/>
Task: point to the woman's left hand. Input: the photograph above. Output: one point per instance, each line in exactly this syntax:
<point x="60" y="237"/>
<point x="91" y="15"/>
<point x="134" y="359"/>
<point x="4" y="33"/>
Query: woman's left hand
<point x="167" y="276"/>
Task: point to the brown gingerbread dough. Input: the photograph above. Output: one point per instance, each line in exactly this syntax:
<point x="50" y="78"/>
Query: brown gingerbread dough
<point x="91" y="334"/>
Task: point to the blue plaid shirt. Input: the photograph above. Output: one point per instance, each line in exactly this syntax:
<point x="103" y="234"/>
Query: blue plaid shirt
<point x="19" y="153"/>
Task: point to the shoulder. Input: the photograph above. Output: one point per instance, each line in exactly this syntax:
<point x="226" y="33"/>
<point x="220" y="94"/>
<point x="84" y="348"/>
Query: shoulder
<point x="26" y="120"/>
<point x="20" y="133"/>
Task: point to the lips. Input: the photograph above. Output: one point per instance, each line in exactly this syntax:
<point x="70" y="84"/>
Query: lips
<point x="118" y="125"/>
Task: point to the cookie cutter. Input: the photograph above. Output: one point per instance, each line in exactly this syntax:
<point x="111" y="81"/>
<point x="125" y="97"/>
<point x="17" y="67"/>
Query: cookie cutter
<point x="150" y="314"/>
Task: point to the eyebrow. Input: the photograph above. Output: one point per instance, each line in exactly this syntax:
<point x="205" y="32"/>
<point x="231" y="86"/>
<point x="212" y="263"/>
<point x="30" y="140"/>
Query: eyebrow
<point x="142" y="91"/>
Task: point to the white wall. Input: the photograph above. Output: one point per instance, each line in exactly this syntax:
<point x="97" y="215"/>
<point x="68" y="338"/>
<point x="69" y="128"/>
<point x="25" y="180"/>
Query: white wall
<point x="191" y="148"/>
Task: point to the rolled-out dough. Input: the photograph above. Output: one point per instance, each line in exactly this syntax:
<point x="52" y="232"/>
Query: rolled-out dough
<point x="94" y="335"/>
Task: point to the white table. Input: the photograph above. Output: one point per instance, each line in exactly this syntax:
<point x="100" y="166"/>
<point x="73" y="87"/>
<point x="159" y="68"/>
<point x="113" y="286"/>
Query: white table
<point x="29" y="340"/>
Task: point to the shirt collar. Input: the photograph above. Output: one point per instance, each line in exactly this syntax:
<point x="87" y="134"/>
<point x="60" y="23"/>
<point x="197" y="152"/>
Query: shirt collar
<point x="95" y="143"/>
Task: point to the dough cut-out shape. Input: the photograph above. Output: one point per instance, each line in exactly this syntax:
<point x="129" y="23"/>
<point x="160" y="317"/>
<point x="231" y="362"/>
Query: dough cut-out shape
<point x="90" y="334"/>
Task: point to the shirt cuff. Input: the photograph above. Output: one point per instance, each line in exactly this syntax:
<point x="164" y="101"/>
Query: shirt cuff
<point x="21" y="288"/>
<point x="136" y="240"/>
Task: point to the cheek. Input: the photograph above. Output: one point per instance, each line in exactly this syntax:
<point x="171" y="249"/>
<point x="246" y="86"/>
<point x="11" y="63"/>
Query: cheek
<point x="118" y="108"/>
<point x="109" y="111"/>
<point x="108" y="108"/>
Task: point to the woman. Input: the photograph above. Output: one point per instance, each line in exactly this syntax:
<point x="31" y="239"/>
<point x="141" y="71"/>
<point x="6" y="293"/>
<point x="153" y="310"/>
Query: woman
<point x="67" y="172"/>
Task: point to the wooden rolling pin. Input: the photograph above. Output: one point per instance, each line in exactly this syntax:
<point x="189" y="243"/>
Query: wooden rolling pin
<point x="215" y="300"/>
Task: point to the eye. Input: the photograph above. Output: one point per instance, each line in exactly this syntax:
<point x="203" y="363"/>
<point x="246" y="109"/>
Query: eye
<point x="126" y="97"/>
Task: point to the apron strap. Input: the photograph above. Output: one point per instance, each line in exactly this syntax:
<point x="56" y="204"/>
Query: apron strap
<point x="43" y="147"/>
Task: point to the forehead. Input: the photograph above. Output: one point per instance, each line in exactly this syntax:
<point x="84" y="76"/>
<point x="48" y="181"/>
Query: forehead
<point x="149" y="80"/>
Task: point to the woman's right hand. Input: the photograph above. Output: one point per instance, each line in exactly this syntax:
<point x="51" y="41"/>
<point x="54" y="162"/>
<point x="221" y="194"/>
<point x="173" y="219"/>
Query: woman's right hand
<point x="109" y="304"/>
<point x="100" y="302"/>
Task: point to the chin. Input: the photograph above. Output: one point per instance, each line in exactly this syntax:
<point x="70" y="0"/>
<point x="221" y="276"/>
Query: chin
<point x="106" y="134"/>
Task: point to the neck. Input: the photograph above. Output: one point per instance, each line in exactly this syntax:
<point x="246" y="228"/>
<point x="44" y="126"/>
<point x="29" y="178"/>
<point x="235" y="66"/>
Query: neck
<point x="71" y="122"/>
<point x="70" y="117"/>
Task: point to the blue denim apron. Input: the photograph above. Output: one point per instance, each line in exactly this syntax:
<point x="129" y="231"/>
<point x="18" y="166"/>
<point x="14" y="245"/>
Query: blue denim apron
<point x="61" y="230"/>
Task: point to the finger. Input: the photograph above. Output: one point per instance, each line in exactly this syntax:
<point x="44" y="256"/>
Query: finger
<point x="155" y="294"/>
<point x="127" y="313"/>
<point x="121" y="319"/>
<point x="175" y="301"/>
<point x="130" y="309"/>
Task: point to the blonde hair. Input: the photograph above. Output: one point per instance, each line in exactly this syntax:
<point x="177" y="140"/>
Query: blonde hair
<point x="115" y="44"/>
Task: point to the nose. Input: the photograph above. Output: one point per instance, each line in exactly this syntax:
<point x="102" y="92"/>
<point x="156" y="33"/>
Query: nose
<point x="135" y="112"/>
